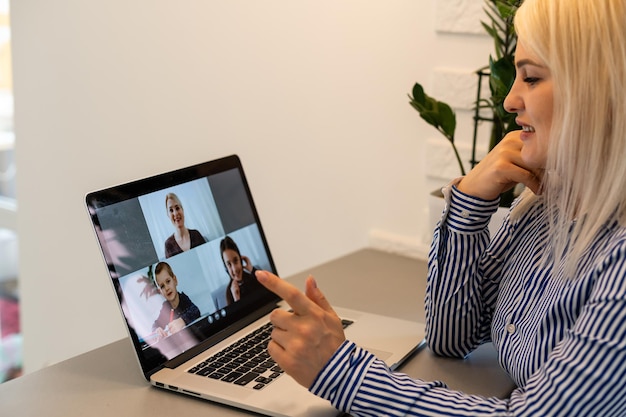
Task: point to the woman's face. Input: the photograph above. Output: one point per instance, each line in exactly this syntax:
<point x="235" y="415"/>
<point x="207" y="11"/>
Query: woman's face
<point x="176" y="213"/>
<point x="232" y="261"/>
<point x="531" y="97"/>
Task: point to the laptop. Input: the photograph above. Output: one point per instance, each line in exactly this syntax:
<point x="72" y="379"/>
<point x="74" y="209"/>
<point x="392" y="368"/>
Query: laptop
<point x="180" y="249"/>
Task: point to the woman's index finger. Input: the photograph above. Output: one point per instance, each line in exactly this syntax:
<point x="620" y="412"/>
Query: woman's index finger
<point x="298" y="301"/>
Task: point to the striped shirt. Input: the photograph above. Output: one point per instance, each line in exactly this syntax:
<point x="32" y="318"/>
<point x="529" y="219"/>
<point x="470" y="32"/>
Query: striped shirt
<point x="562" y="340"/>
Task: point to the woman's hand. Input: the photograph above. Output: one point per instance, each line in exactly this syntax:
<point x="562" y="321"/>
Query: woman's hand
<point x="235" y="290"/>
<point x="245" y="262"/>
<point x="303" y="341"/>
<point x="500" y="171"/>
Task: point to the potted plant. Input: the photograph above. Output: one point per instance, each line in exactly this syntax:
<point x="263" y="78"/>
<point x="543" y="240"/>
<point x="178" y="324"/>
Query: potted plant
<point x="500" y="74"/>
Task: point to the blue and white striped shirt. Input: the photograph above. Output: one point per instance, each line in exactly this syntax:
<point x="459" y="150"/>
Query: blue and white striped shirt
<point x="562" y="340"/>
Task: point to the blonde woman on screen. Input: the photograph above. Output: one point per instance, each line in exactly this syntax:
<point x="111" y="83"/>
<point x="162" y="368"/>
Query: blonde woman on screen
<point x="183" y="238"/>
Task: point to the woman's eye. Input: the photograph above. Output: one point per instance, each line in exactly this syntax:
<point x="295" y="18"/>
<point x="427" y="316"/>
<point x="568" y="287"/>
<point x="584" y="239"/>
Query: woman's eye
<point x="531" y="80"/>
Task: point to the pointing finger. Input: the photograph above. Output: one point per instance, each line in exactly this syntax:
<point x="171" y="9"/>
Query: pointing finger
<point x="293" y="296"/>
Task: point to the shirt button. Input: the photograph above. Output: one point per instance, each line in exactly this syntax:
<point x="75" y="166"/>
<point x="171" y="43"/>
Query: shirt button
<point x="465" y="214"/>
<point x="510" y="328"/>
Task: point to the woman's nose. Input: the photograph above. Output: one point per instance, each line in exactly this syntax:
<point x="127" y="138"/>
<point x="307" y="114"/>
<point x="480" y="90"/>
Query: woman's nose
<point x="513" y="102"/>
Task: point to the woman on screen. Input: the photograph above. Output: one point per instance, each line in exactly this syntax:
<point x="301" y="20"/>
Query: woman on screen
<point x="182" y="239"/>
<point x="240" y="271"/>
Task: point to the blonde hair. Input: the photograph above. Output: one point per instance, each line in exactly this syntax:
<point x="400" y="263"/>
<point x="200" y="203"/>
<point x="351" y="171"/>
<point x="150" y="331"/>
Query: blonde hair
<point x="172" y="196"/>
<point x="583" y="43"/>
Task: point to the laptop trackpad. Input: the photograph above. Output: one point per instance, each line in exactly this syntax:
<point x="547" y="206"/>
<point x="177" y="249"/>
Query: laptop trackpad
<point x="380" y="354"/>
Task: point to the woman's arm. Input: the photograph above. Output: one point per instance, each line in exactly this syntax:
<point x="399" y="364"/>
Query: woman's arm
<point x="582" y="375"/>
<point x="460" y="294"/>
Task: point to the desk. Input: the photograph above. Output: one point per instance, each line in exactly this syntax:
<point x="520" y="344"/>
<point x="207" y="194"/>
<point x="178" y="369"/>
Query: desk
<point x="107" y="380"/>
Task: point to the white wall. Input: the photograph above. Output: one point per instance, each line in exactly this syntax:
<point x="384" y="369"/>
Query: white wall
<point x="312" y="94"/>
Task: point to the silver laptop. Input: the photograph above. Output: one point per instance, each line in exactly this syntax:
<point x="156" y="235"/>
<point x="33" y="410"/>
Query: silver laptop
<point x="181" y="249"/>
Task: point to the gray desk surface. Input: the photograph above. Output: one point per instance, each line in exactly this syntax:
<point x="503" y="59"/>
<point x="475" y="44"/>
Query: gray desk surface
<point x="107" y="380"/>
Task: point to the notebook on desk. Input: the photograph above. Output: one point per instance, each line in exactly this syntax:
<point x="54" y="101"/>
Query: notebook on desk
<point x="180" y="249"/>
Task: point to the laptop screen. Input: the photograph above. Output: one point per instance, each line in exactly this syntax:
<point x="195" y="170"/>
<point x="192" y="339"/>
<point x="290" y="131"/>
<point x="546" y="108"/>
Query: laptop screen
<point x="181" y="249"/>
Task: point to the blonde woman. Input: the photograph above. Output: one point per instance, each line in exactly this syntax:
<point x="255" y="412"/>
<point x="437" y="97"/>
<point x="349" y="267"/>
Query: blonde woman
<point x="183" y="238"/>
<point x="549" y="289"/>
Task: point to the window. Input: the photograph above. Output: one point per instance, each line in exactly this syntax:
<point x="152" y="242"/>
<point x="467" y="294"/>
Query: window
<point x="10" y="336"/>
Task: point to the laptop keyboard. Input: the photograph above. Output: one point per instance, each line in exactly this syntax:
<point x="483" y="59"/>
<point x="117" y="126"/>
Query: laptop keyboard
<point x="245" y="362"/>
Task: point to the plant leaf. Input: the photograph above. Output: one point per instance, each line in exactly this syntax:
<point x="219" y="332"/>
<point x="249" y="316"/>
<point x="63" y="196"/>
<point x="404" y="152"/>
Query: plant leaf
<point x="418" y="93"/>
<point x="430" y="117"/>
<point x="436" y="113"/>
<point x="502" y="76"/>
<point x="447" y="119"/>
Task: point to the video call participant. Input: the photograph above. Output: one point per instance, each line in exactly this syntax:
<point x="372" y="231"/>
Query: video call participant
<point x="178" y="310"/>
<point x="182" y="239"/>
<point x="240" y="271"/>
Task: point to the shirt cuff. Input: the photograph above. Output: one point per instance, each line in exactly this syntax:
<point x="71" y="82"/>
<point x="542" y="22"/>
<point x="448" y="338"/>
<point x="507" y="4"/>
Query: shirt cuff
<point x="466" y="213"/>
<point x="340" y="379"/>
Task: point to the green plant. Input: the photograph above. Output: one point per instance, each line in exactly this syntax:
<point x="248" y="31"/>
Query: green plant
<point x="501" y="74"/>
<point x="438" y="114"/>
<point x="502" y="68"/>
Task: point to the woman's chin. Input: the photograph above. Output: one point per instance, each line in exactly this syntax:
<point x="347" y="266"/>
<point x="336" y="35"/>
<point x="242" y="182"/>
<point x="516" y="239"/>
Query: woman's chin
<point x="532" y="160"/>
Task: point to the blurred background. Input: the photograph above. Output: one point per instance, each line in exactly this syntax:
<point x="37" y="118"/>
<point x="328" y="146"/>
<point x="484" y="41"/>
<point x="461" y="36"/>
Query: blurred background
<point x="10" y="336"/>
